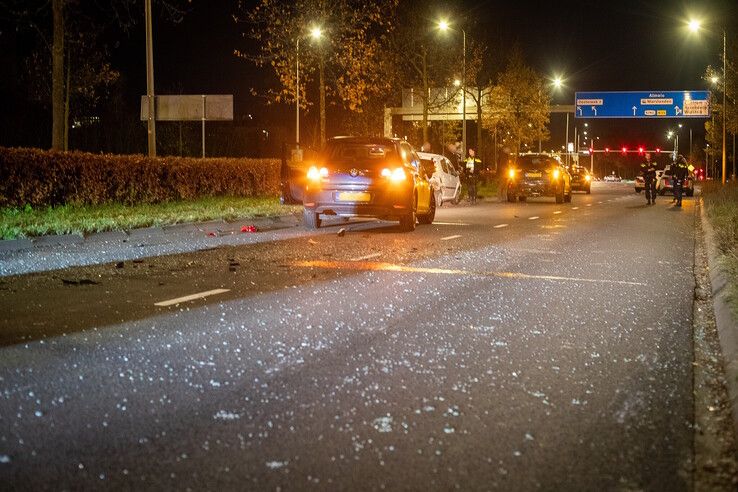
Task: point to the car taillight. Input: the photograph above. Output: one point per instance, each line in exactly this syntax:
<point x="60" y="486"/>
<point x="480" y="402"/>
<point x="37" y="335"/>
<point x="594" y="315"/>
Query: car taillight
<point x="394" y="175"/>
<point x="314" y="174"/>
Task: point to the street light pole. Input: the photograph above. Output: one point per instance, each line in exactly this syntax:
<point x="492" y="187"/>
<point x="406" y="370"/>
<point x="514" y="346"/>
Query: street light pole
<point x="297" y="95"/>
<point x="151" y="122"/>
<point x="725" y="89"/>
<point x="463" y="95"/>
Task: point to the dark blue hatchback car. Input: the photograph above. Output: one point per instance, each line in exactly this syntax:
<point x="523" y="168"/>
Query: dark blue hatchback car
<point x="368" y="177"/>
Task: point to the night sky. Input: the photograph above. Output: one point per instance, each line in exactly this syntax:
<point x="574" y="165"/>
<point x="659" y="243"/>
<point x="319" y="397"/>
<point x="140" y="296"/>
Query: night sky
<point x="594" y="45"/>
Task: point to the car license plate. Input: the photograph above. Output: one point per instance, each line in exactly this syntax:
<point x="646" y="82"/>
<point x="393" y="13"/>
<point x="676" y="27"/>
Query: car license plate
<point x="353" y="196"/>
<point x="533" y="175"/>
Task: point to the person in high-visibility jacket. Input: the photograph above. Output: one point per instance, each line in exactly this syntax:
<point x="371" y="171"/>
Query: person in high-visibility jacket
<point x="648" y="171"/>
<point x="472" y="168"/>
<point x="681" y="172"/>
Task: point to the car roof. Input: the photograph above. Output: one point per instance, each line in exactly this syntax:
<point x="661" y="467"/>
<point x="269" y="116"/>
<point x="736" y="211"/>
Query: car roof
<point x="367" y="140"/>
<point x="429" y="155"/>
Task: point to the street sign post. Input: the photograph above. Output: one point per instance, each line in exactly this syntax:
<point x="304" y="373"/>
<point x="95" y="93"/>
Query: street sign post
<point x="190" y="108"/>
<point x="653" y="104"/>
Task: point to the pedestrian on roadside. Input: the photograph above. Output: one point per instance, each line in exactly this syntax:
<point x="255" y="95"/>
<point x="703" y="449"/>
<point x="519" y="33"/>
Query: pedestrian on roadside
<point x="680" y="173"/>
<point x="648" y="171"/>
<point x="426" y="147"/>
<point x="472" y="169"/>
<point x="453" y="156"/>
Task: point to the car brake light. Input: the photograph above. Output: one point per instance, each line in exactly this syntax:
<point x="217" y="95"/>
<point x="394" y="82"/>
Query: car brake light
<point x="395" y="174"/>
<point x="314" y="174"/>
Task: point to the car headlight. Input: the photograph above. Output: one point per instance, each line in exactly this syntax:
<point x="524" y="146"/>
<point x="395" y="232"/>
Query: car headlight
<point x="588" y="178"/>
<point x="556" y="174"/>
<point x="314" y="174"/>
<point x="394" y="175"/>
<point x="511" y="173"/>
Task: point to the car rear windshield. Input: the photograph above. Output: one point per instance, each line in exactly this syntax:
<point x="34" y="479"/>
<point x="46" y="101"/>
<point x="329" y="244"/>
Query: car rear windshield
<point x="535" y="162"/>
<point x="366" y="153"/>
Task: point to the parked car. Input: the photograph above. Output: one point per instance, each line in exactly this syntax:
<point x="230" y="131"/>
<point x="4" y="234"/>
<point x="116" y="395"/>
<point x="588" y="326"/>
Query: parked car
<point x="665" y="183"/>
<point x="538" y="175"/>
<point x="444" y="178"/>
<point x="368" y="177"/>
<point x="640" y="184"/>
<point x="612" y="178"/>
<point x="581" y="180"/>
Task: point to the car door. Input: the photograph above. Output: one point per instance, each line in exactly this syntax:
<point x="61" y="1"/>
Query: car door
<point x="452" y="181"/>
<point x="422" y="185"/>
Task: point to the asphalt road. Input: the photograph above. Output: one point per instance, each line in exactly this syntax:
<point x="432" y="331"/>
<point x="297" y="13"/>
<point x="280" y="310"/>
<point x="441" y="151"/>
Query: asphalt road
<point x="507" y="346"/>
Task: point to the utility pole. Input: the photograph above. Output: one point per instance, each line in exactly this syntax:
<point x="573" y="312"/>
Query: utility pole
<point x="725" y="89"/>
<point x="463" y="95"/>
<point x="566" y="144"/>
<point x="151" y="126"/>
<point x="591" y="156"/>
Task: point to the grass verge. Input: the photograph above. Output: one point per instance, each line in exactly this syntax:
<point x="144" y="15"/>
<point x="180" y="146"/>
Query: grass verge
<point x="81" y="219"/>
<point x="721" y="205"/>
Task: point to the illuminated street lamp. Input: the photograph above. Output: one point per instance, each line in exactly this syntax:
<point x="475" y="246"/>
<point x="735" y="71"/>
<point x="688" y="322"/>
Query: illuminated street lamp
<point x="694" y="26"/>
<point x="558" y="83"/>
<point x="444" y="26"/>
<point x="315" y="33"/>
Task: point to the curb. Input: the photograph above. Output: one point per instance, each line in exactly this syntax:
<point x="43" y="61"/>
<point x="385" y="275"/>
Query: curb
<point x="156" y="232"/>
<point x="727" y="325"/>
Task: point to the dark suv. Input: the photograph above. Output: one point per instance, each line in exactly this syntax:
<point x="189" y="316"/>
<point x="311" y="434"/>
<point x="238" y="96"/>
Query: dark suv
<point x="368" y="177"/>
<point x="581" y="180"/>
<point x="538" y="175"/>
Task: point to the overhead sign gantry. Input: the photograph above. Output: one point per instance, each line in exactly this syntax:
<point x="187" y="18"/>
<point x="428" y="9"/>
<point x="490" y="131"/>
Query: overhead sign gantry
<point x="653" y="104"/>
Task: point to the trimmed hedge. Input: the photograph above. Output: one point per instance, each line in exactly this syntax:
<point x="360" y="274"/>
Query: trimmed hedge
<point x="42" y="178"/>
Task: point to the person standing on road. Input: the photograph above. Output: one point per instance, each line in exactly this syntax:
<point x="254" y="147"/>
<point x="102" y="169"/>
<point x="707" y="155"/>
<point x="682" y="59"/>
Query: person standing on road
<point x="648" y="171"/>
<point x="473" y="168"/>
<point x="680" y="174"/>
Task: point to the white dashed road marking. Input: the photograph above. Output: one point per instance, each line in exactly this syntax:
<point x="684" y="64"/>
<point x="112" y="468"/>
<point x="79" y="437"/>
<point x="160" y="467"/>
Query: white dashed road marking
<point x="557" y="212"/>
<point x="575" y="208"/>
<point x="199" y="295"/>
<point x="447" y="238"/>
<point x="367" y="257"/>
<point x="534" y="217"/>
<point x="500" y="226"/>
<point x="450" y="223"/>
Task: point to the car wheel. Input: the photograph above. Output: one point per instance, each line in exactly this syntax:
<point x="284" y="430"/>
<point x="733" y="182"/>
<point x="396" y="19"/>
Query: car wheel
<point x="560" y="195"/>
<point x="638" y="190"/>
<point x="567" y="198"/>
<point x="589" y="190"/>
<point x="522" y="198"/>
<point x="311" y="219"/>
<point x="438" y="198"/>
<point x="408" y="221"/>
<point x="428" y="218"/>
<point x="511" y="196"/>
